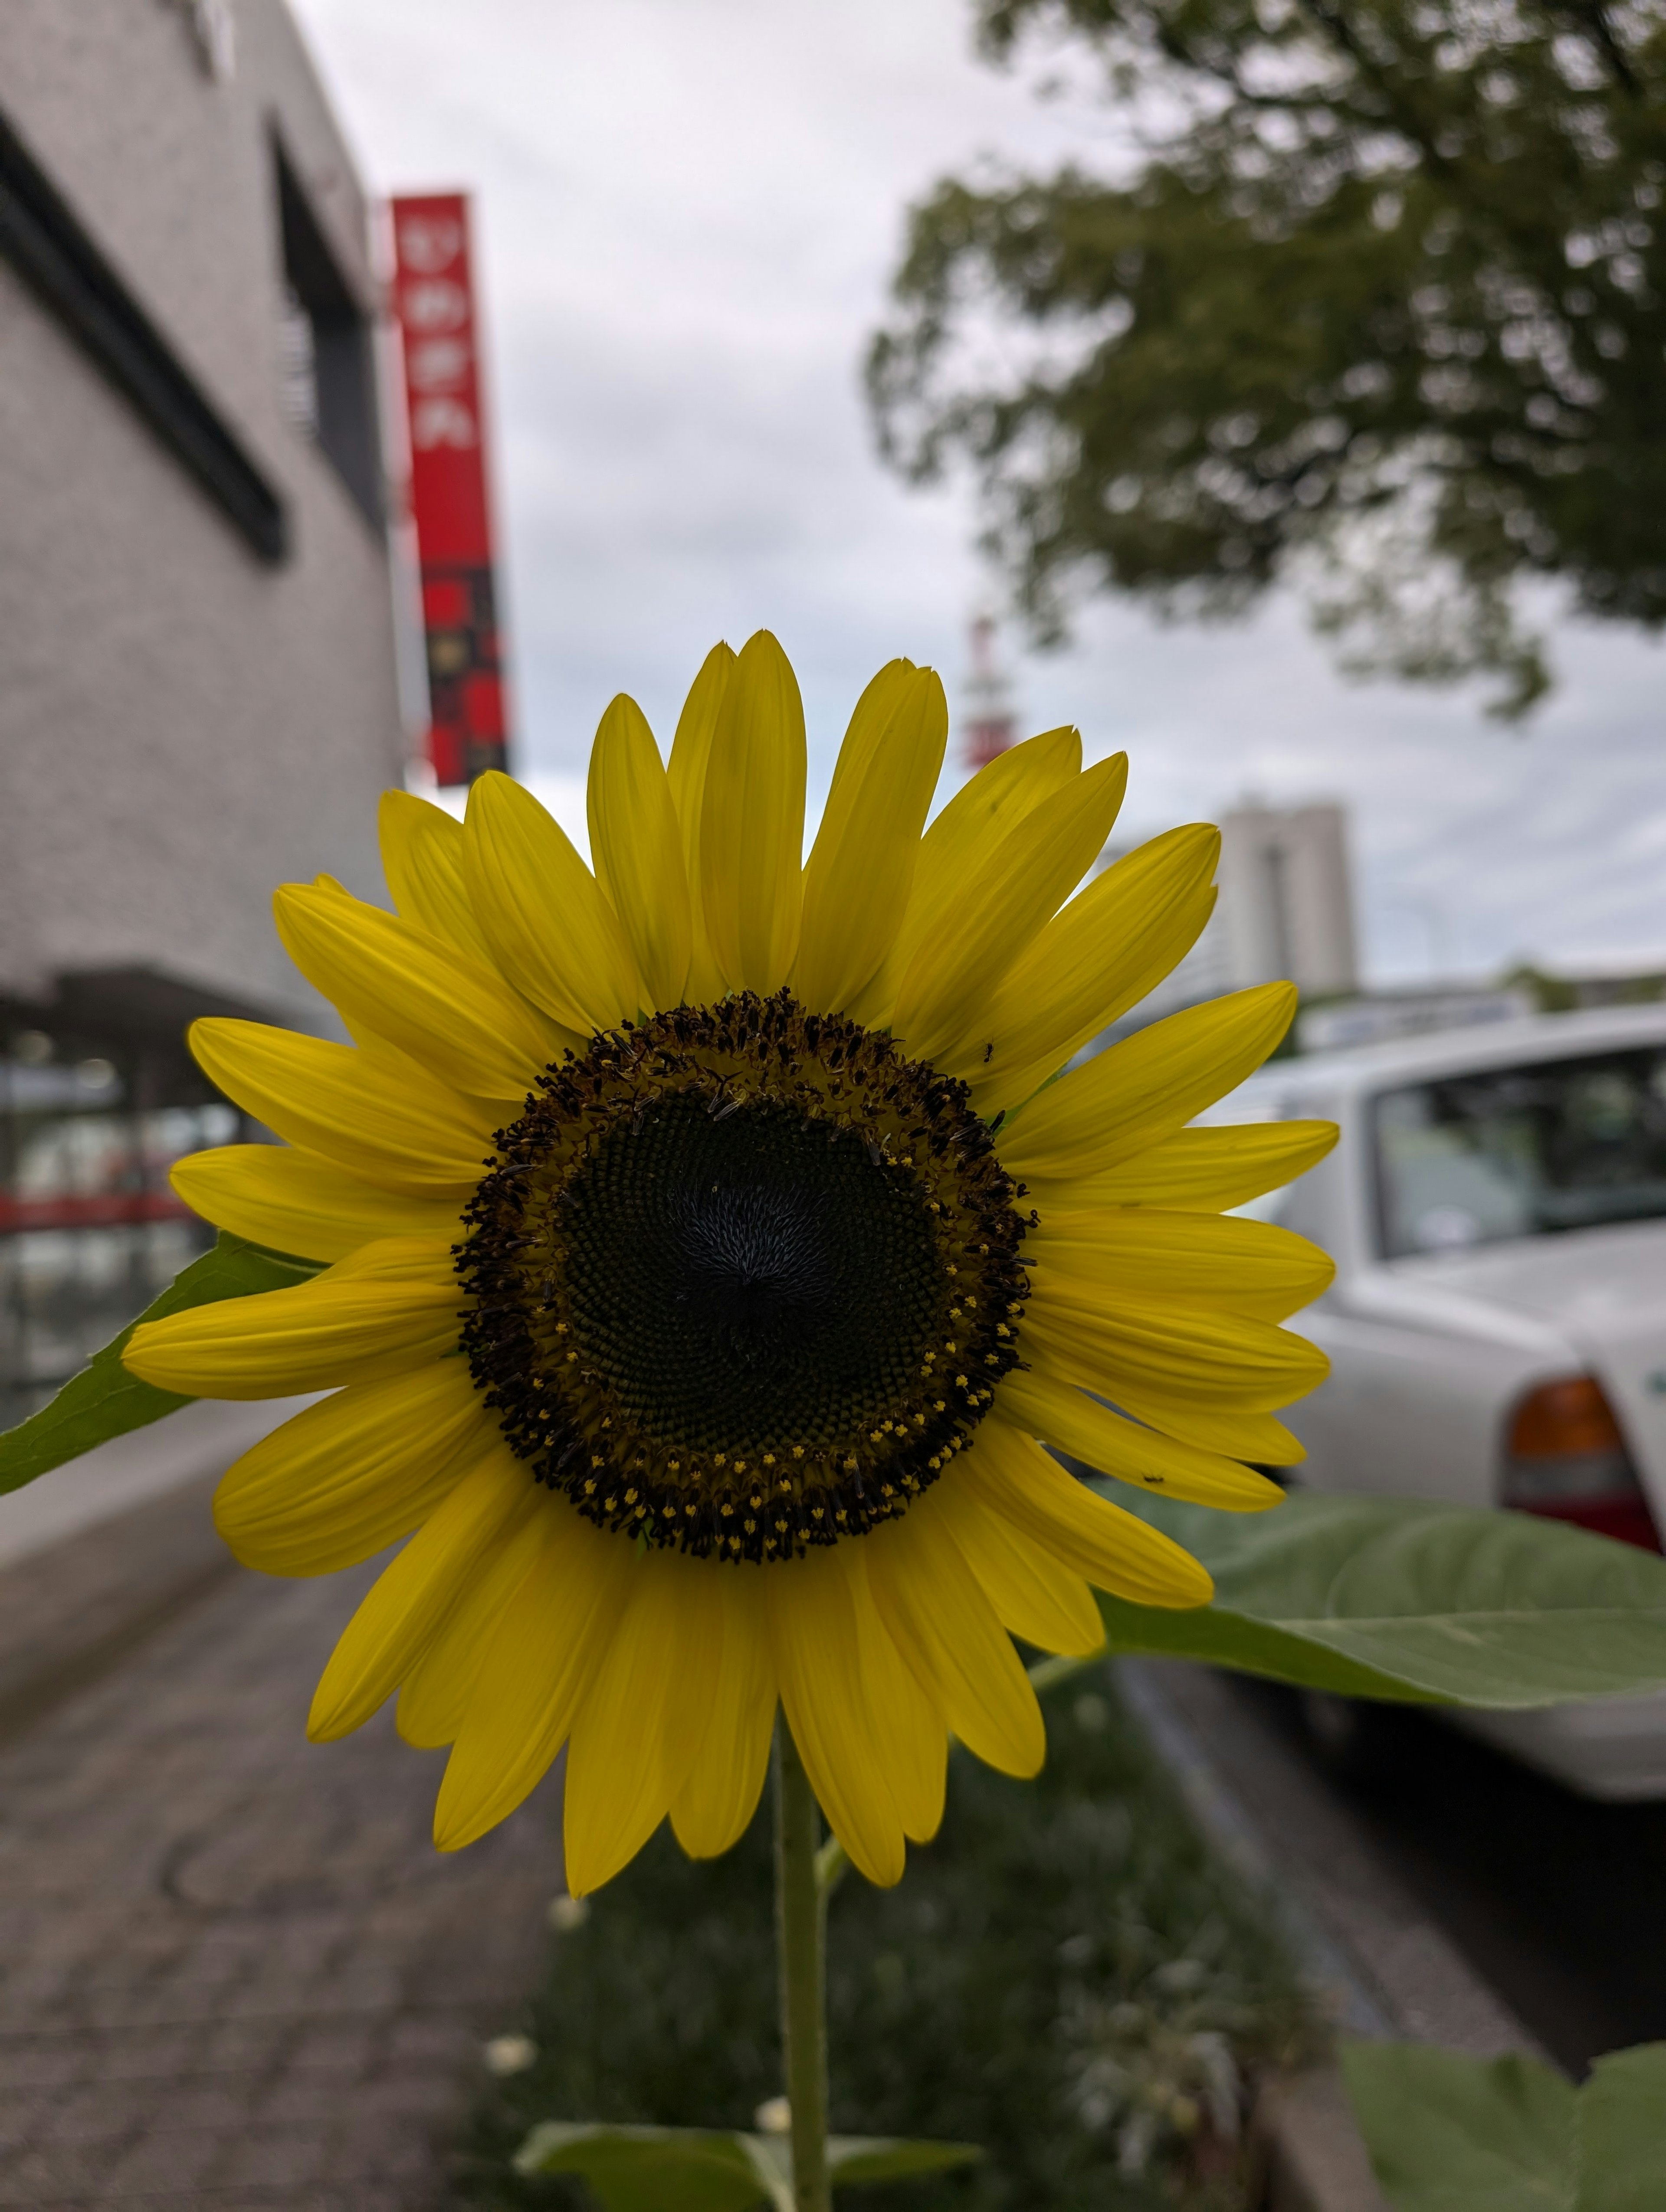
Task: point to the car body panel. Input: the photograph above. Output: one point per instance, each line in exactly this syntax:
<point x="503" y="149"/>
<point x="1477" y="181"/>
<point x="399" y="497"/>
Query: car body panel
<point x="1430" y="1353"/>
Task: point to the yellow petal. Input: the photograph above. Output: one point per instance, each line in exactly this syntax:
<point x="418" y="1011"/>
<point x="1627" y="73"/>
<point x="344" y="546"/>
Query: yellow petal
<point x="1206" y="1171"/>
<point x="818" y="1664"/>
<point x="1146" y="1088"/>
<point x="943" y="1000"/>
<point x="883" y="695"/>
<point x="969" y="829"/>
<point x="422" y="859"/>
<point x="552" y="933"/>
<point x="552" y="1638"/>
<point x="639" y="1725"/>
<point x="1186" y="1259"/>
<point x="451" y="1014"/>
<point x="636" y="843"/>
<point x="408" y="1598"/>
<point x="1046" y="1405"/>
<point x="1093" y="961"/>
<point x="752" y="820"/>
<point x="1115" y="1550"/>
<point x="1234" y="1431"/>
<point x="686" y="772"/>
<point x="390" y="1307"/>
<point x="293" y="1202"/>
<point x="403" y="1132"/>
<point x="435" y="1693"/>
<point x="1034" y="1594"/>
<point x="981" y="816"/>
<point x="860" y="869"/>
<point x="1143" y="1354"/>
<point x="343" y="1478"/>
<point x="909" y="1735"/>
<point x="948" y="1631"/>
<point x="714" y="1806"/>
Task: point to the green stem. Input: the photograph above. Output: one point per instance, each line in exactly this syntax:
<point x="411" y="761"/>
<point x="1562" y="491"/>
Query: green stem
<point x="808" y="1872"/>
<point x="801" y="1945"/>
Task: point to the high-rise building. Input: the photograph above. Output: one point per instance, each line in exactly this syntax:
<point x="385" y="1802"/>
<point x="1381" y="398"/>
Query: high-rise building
<point x="1283" y="911"/>
<point x="1286" y="902"/>
<point x="198" y="693"/>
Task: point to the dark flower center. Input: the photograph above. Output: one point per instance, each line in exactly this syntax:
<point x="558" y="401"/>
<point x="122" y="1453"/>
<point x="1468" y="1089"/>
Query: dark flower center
<point x="750" y="1283"/>
<point x="744" y="1279"/>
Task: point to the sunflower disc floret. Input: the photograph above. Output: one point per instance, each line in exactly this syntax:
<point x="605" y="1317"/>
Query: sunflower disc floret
<point x="745" y="1279"/>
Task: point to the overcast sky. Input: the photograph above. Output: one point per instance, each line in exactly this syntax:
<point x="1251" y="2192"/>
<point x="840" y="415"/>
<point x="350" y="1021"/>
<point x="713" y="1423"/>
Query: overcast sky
<point x="687" y="213"/>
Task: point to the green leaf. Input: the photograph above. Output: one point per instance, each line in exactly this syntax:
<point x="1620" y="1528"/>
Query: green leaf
<point x="852" y="2158"/>
<point x="635" y="2169"/>
<point x="104" y="1401"/>
<point x="1397" y="1598"/>
<point x="1448" y="2133"/>
<point x="648" y="2169"/>
<point x="1622" y="2132"/>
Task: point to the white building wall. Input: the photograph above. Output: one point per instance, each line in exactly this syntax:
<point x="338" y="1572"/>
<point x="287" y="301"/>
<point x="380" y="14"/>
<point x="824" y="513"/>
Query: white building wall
<point x="182" y="725"/>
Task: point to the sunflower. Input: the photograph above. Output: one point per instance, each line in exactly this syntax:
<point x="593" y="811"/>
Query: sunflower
<point x="711" y="1253"/>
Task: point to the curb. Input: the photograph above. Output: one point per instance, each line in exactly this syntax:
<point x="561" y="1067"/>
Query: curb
<point x="1377" y="1964"/>
<point x="1305" y="2152"/>
<point x="71" y="1613"/>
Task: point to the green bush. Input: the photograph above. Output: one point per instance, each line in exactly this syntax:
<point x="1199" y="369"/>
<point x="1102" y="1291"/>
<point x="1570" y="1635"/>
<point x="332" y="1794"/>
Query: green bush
<point x="1065" y="1977"/>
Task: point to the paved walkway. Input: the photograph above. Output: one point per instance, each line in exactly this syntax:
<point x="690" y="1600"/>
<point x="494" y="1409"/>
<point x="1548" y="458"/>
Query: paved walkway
<point x="196" y="1441"/>
<point x="234" y="1973"/>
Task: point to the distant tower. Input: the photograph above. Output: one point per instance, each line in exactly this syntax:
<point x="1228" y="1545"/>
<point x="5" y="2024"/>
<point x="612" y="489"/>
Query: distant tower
<point x="989" y="718"/>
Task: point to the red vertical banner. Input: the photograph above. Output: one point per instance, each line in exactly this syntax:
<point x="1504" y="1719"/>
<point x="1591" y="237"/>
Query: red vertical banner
<point x="435" y="307"/>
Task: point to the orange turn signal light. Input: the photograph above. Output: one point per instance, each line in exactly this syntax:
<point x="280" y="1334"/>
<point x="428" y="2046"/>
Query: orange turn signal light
<point x="1562" y="1418"/>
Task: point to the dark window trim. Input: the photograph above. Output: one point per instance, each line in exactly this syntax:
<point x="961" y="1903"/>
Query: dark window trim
<point x="347" y="431"/>
<point x="46" y="245"/>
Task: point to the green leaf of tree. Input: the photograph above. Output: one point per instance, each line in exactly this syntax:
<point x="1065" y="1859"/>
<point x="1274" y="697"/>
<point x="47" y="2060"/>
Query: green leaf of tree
<point x="1449" y="2133"/>
<point x="1370" y="297"/>
<point x="104" y="1401"/>
<point x="1398" y="1598"/>
<point x="1622" y="2132"/>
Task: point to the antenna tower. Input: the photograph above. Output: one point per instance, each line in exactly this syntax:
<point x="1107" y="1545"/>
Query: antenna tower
<point x="990" y="720"/>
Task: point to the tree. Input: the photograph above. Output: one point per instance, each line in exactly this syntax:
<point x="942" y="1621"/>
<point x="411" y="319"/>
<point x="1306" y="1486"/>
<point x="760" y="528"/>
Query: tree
<point x="1379" y="309"/>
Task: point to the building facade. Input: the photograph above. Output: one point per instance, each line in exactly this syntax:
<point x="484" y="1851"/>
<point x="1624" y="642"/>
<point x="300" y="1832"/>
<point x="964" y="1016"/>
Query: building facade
<point x="197" y="689"/>
<point x="1283" y="911"/>
<point x="1287" y="899"/>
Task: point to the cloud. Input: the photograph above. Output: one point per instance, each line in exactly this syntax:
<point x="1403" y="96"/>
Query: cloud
<point x="688" y="211"/>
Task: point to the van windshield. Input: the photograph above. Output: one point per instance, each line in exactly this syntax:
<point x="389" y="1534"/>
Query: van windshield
<point x="1522" y="1152"/>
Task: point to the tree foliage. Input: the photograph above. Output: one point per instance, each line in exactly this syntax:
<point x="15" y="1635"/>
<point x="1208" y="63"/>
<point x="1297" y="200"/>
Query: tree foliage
<point x="1375" y="300"/>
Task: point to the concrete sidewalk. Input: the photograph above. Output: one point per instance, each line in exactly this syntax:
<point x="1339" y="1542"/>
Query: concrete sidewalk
<point x="191" y="1445"/>
<point x="235" y="1976"/>
<point x="234" y="1973"/>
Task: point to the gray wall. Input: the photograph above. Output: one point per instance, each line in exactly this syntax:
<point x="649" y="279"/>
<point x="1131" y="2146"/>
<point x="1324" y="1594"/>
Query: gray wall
<point x="181" y="725"/>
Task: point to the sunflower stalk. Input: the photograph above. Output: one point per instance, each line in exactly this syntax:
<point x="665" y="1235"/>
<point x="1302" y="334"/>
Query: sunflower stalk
<point x="801" y="1946"/>
<point x="832" y="1864"/>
